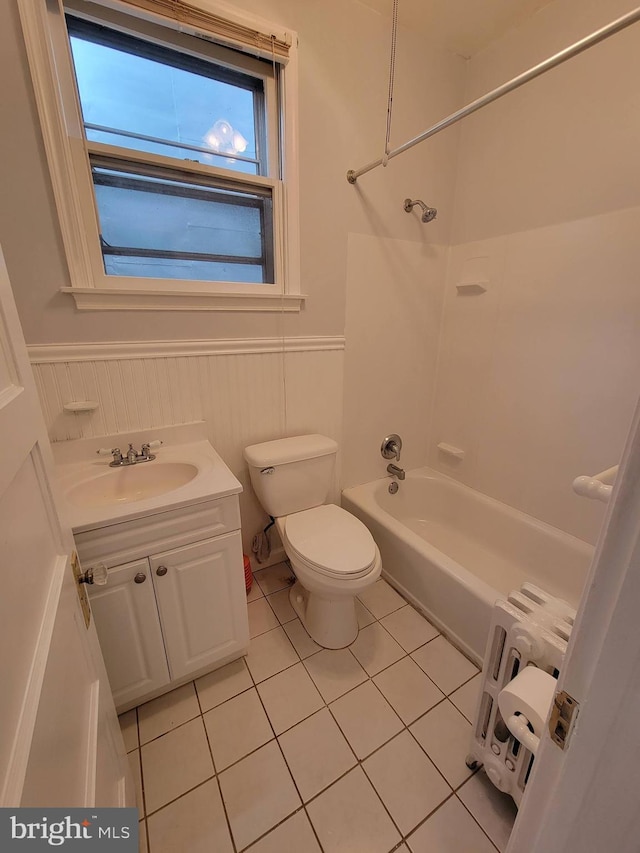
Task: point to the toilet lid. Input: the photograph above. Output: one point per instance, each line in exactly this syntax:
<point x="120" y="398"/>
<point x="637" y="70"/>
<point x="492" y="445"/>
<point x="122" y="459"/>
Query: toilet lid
<point x="331" y="539"/>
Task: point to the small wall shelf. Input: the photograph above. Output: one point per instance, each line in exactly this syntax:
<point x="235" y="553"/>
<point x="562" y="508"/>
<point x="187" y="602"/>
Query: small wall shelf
<point x="81" y="406"/>
<point x="471" y="288"/>
<point x="450" y="450"/>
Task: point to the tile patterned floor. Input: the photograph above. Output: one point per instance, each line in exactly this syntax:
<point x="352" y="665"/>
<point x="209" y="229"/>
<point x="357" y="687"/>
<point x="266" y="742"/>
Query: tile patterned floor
<point x="300" y="748"/>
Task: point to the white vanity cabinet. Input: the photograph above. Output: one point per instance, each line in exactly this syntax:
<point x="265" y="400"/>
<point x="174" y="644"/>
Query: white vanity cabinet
<point x="128" y="627"/>
<point x="196" y="589"/>
<point x="174" y="605"/>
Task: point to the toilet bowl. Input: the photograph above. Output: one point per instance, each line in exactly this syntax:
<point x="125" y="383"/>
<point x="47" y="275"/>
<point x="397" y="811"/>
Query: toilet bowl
<point x="332" y="553"/>
<point x="334" y="558"/>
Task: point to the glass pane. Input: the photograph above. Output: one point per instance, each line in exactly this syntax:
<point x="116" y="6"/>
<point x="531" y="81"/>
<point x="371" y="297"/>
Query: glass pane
<point x="151" y="97"/>
<point x="138" y="267"/>
<point x="165" y="228"/>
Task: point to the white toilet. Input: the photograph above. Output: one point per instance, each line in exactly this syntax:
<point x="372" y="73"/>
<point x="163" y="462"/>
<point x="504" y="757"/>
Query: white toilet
<point x="332" y="553"/>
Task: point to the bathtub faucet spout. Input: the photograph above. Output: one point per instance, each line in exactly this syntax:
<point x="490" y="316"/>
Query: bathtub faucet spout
<point x="395" y="471"/>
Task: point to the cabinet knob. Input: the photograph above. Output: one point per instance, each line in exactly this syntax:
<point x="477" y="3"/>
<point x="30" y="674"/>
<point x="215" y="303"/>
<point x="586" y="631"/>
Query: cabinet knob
<point x="140" y="577"/>
<point x="162" y="570"/>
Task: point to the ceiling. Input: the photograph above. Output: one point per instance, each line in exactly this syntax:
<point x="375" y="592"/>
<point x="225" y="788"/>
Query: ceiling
<point x="462" y="26"/>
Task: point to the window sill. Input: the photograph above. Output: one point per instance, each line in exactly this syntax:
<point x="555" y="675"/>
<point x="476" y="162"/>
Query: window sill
<point x="114" y="299"/>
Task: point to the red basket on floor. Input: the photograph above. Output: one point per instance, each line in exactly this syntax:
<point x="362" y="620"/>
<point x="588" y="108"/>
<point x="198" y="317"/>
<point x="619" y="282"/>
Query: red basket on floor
<point x="248" y="574"/>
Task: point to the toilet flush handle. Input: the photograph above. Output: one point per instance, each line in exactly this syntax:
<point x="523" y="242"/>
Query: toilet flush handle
<point x="267" y="470"/>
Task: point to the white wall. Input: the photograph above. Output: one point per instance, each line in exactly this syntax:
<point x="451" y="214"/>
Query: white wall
<point x="539" y="376"/>
<point x="343" y="60"/>
<point x="343" y="86"/>
<point x="245" y="395"/>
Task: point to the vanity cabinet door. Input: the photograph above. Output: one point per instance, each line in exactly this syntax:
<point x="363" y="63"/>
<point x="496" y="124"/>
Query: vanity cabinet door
<point x="202" y="602"/>
<point x="126" y="618"/>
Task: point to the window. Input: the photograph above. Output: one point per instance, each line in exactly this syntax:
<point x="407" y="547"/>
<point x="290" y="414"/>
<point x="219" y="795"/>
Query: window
<point x="176" y="146"/>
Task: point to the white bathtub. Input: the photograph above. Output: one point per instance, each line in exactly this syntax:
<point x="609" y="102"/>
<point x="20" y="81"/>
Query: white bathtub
<point x="453" y="551"/>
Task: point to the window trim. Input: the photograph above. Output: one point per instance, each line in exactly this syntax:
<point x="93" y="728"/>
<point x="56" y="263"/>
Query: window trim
<point x="68" y="158"/>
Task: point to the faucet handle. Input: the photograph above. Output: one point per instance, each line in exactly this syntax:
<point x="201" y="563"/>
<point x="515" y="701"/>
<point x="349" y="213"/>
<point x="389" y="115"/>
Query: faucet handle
<point x="391" y="447"/>
<point x="104" y="451"/>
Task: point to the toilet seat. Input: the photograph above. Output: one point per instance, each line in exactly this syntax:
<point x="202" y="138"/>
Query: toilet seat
<point x="330" y="541"/>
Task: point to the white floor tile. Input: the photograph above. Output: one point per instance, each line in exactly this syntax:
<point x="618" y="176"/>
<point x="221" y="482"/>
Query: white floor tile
<point x="445" y="735"/>
<point x="408" y="690"/>
<point x="270" y="653"/>
<point x="465" y="698"/>
<point x="381" y="599"/>
<point x="261" y="617"/>
<point x="225" y="683"/>
<point x="236" y="728"/>
<point x="450" y="830"/>
<point x="349" y="817"/>
<point x="255" y="592"/>
<point x="494" y="811"/>
<point x="136" y="772"/>
<point x="317" y="753"/>
<point x="302" y="642"/>
<point x="334" y="672"/>
<point x="375" y="648"/>
<point x="366" y="718"/>
<point x="129" y="728"/>
<point x="258" y="793"/>
<point x="274" y="578"/>
<point x="289" y="697"/>
<point x="409" y="628"/>
<point x="281" y="606"/>
<point x="407" y="782"/>
<point x="168" y="711"/>
<point x="195" y="822"/>
<point x="364" y="616"/>
<point x="295" y="835"/>
<point x="175" y="763"/>
<point x="444" y="664"/>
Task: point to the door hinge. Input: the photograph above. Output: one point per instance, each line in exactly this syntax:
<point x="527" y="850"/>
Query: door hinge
<point x="563" y="717"/>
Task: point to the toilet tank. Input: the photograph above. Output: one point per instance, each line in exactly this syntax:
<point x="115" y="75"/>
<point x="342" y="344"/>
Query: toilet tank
<point x="292" y="474"/>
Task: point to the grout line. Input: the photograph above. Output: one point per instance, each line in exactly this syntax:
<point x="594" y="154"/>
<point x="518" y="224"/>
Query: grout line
<point x="286" y="763"/>
<point x="327" y="706"/>
<point x="473" y="816"/>
<point x="217" y="775"/>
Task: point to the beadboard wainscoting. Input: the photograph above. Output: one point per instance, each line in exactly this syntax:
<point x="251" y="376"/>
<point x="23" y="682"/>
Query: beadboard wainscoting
<point x="245" y="390"/>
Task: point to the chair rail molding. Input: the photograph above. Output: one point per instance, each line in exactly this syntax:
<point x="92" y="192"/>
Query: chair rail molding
<point x="127" y="350"/>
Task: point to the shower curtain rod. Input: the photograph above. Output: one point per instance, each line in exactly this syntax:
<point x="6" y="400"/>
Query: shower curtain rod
<point x="569" y="52"/>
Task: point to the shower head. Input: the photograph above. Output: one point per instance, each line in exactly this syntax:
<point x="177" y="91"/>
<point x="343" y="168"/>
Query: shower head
<point x="428" y="213"/>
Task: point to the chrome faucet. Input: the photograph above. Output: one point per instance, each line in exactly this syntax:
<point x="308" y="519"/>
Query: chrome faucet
<point x="395" y="471"/>
<point x="131" y="457"/>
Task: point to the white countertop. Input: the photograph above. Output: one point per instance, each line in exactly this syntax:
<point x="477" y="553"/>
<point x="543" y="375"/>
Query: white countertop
<point x="213" y="480"/>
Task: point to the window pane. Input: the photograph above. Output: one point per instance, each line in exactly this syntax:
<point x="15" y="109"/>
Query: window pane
<point x="138" y="267"/>
<point x="147" y="90"/>
<point x="173" y="229"/>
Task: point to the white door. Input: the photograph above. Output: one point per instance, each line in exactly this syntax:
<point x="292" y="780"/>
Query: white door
<point x="586" y="798"/>
<point x="128" y="628"/>
<point x="202" y="602"/>
<point x="60" y="743"/>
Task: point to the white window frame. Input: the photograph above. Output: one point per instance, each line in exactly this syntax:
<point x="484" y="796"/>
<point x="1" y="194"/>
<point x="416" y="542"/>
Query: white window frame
<point x="67" y="151"/>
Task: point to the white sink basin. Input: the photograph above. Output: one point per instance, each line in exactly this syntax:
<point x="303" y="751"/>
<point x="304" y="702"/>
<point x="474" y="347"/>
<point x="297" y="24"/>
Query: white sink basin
<point x="131" y="483"/>
<point x="186" y="470"/>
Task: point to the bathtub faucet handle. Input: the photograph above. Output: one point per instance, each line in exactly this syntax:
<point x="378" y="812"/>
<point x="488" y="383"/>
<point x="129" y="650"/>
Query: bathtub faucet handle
<point x="391" y="447"/>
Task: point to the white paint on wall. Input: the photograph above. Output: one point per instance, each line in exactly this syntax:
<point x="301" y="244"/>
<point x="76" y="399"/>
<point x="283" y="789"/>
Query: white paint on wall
<point x="395" y="290"/>
<point x="243" y="398"/>
<point x="538" y="376"/>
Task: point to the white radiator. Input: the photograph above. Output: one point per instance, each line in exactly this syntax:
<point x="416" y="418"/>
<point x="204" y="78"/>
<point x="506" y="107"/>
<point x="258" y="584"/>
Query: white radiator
<point x="531" y="627"/>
